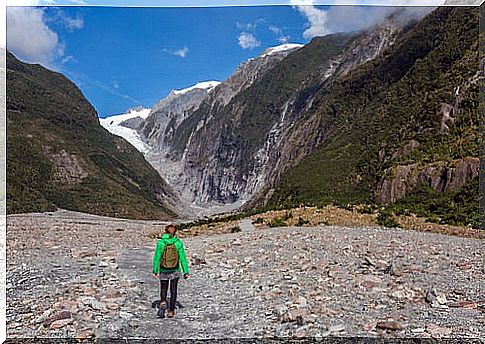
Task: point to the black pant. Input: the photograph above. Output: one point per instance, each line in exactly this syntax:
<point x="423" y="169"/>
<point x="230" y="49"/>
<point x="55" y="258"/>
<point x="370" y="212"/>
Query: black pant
<point x="173" y="292"/>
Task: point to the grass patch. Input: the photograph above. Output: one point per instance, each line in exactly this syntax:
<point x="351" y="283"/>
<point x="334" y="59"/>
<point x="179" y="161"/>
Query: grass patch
<point x="277" y="222"/>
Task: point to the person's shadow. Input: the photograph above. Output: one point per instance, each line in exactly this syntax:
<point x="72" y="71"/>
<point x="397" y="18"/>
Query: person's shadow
<point x="156" y="305"/>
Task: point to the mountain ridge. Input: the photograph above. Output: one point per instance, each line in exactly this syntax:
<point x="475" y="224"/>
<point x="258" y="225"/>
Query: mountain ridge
<point x="60" y="157"/>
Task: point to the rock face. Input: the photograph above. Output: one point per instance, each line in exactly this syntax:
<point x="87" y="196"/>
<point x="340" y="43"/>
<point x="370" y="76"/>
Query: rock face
<point x="442" y="176"/>
<point x="383" y="115"/>
<point x="174" y="129"/>
<point x="225" y="146"/>
<point x="158" y="128"/>
<point x="328" y="119"/>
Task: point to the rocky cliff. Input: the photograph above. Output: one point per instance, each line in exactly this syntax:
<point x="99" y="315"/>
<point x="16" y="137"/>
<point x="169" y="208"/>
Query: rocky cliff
<point x="358" y="117"/>
<point x="409" y="116"/>
<point x="235" y="141"/>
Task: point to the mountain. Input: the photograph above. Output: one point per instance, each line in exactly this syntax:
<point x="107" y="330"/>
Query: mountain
<point x="387" y="115"/>
<point x="228" y="147"/>
<point x="59" y="156"/>
<point x="173" y="120"/>
<point x="124" y="125"/>
<point x="403" y="126"/>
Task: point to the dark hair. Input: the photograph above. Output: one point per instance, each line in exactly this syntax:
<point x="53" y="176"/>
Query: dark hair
<point x="166" y="228"/>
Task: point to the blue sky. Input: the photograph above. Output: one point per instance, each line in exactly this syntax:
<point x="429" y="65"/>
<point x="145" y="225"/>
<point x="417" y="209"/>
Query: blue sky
<point x="143" y="53"/>
<point x="126" y="57"/>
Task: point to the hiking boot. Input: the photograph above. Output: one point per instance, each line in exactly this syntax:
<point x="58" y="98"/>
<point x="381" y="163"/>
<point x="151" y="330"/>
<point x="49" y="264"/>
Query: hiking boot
<point x="170" y="313"/>
<point x="162" y="304"/>
<point x="161" y="313"/>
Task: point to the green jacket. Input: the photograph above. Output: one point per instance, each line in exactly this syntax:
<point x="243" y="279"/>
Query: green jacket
<point x="166" y="239"/>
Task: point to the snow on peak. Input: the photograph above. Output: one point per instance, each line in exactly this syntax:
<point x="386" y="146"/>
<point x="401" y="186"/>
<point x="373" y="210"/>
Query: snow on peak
<point x="206" y="85"/>
<point x="131" y="113"/>
<point x="281" y="48"/>
<point x="112" y="124"/>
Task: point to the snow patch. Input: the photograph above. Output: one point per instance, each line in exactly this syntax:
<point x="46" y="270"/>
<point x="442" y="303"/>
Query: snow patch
<point x="206" y="85"/>
<point x="112" y="124"/>
<point x="281" y="48"/>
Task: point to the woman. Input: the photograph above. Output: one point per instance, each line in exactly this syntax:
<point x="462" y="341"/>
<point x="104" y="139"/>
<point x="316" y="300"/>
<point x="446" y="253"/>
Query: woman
<point x="168" y="259"/>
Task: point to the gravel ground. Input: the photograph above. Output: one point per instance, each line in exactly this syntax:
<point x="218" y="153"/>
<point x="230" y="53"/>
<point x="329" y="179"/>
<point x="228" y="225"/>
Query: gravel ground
<point x="78" y="275"/>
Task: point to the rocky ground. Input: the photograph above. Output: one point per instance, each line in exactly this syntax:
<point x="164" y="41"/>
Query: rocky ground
<point x="78" y="275"/>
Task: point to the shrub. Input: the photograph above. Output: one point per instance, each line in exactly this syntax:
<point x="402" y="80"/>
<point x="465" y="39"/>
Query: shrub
<point x="258" y="220"/>
<point x="386" y="219"/>
<point x="235" y="229"/>
<point x="277" y="222"/>
<point x="288" y="215"/>
<point x="302" y="221"/>
<point x="367" y="209"/>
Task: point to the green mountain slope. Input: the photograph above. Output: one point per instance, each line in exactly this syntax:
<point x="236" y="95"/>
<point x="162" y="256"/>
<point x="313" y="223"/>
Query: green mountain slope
<point x="413" y="109"/>
<point x="59" y="156"/>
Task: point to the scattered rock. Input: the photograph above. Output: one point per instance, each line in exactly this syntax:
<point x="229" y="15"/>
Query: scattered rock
<point x="126" y="315"/>
<point x="337" y="328"/>
<point x="297" y="314"/>
<point x="389" y="325"/>
<point x="430" y="296"/>
<point x="84" y="334"/>
<point x="463" y="304"/>
<point x="198" y="261"/>
<point x="369" y="261"/>
<point x="305" y="300"/>
<point x="437" y="331"/>
<point x="441" y="299"/>
<point x="93" y="303"/>
<point x="57" y="324"/>
<point x="302" y="302"/>
<point x="112" y="306"/>
<point x="57" y="316"/>
<point x="44" y="316"/>
<point x="418" y="330"/>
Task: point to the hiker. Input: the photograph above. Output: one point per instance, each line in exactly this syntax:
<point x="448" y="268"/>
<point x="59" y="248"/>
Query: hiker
<point x="168" y="260"/>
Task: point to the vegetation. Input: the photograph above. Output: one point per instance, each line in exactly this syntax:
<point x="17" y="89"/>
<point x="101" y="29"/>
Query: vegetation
<point x="235" y="229"/>
<point x="386" y="218"/>
<point x="277" y="222"/>
<point x="48" y="117"/>
<point x="456" y="208"/>
<point x="219" y="219"/>
<point x="375" y="110"/>
<point x="302" y="221"/>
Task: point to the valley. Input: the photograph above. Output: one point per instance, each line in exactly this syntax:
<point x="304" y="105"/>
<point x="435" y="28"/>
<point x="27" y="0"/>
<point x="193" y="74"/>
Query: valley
<point x="84" y="276"/>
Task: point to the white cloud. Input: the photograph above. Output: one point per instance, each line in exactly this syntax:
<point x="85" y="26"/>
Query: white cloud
<point x="60" y="17"/>
<point x="182" y="52"/>
<point x="73" y="23"/>
<point x="250" y="26"/>
<point x="68" y="58"/>
<point x="29" y="37"/>
<point x="317" y="19"/>
<point x="248" y="41"/>
<point x="179" y="52"/>
<point x="284" y="39"/>
<point x="275" y="29"/>
<point x="247" y="27"/>
<point x="336" y="18"/>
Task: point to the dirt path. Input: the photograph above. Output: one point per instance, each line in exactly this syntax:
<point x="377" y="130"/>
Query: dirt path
<point x="291" y="281"/>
